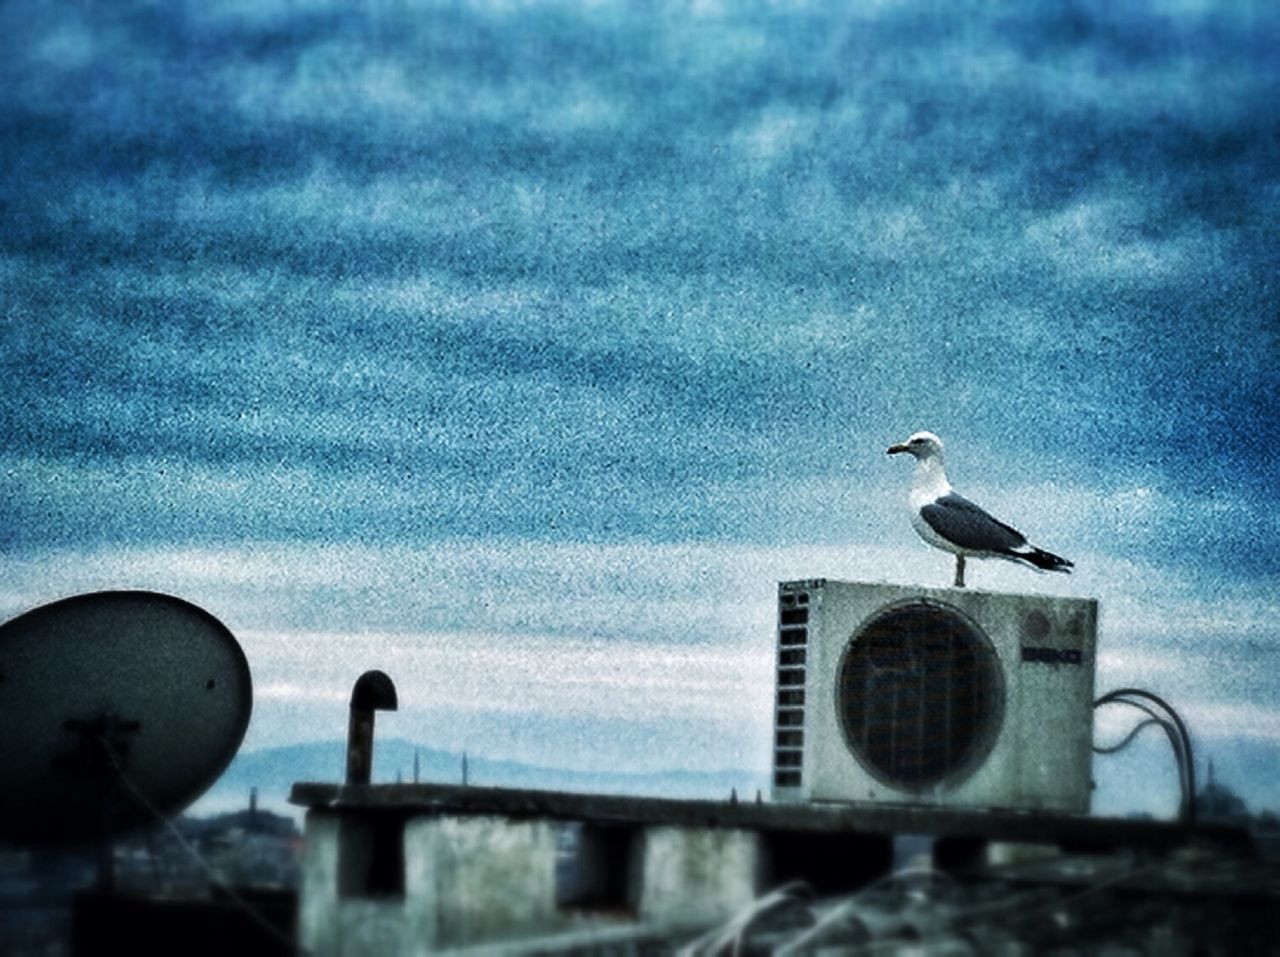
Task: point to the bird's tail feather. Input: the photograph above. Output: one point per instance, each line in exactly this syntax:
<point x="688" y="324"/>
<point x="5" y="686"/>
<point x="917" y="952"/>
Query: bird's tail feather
<point x="1041" y="559"/>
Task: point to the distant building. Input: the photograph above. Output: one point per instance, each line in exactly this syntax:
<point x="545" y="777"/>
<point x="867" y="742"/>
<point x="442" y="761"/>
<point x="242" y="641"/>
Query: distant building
<point x="1217" y="802"/>
<point x="256" y="852"/>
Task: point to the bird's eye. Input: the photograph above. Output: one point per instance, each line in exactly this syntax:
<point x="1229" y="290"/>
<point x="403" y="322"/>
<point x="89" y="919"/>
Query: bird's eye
<point x="915" y="441"/>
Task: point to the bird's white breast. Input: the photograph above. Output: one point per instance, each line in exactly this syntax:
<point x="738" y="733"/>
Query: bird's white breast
<point x="927" y="486"/>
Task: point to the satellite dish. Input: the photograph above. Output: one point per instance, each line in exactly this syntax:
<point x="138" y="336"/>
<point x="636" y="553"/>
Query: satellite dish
<point x="114" y="707"/>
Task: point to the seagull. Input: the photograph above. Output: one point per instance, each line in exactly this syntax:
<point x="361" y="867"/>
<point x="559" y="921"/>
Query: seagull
<point x="954" y="524"/>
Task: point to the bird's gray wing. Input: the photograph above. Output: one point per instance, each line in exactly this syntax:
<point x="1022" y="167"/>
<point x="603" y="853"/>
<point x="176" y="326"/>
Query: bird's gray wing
<point x="962" y="523"/>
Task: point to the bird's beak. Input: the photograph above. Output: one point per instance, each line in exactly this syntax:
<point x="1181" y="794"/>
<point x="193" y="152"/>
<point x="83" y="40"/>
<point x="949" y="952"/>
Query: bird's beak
<point x="895" y="449"/>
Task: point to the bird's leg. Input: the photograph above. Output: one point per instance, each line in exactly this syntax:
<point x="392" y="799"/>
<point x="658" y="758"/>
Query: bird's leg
<point x="959" y="571"/>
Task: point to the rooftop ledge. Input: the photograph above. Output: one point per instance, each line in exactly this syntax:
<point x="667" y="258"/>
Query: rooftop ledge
<point x="998" y="825"/>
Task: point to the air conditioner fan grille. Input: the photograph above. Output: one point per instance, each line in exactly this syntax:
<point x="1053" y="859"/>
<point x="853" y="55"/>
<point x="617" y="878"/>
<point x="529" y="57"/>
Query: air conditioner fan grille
<point x="920" y="696"/>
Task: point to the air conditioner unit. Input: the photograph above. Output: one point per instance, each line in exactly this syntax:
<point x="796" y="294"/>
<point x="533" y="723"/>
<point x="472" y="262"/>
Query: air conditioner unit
<point x="943" y="696"/>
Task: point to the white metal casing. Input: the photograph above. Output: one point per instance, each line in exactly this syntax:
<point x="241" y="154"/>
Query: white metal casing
<point x="1037" y="754"/>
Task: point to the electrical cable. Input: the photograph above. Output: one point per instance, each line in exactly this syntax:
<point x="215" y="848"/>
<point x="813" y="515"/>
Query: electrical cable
<point x="1175" y="744"/>
<point x="1183" y="734"/>
<point x="1179" y="737"/>
<point x="1124" y="743"/>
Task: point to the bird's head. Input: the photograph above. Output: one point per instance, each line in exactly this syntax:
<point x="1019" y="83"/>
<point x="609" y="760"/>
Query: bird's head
<point x="923" y="445"/>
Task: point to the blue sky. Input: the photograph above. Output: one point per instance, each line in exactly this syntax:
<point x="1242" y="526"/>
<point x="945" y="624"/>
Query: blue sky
<point x="555" y="334"/>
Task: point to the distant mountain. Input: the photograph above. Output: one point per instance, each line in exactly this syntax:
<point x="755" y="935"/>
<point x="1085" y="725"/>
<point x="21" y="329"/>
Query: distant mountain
<point x="1140" y="779"/>
<point x="273" y="771"/>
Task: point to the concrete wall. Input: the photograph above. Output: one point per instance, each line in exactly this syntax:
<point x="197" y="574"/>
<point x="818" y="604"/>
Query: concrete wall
<point x="697" y="876"/>
<point x="466" y="880"/>
<point x="330" y="924"/>
<point x="477" y="879"/>
<point x="318" y="891"/>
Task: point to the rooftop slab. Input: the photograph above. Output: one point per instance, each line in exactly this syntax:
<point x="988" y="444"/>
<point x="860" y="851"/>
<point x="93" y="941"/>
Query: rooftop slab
<point x="815" y="818"/>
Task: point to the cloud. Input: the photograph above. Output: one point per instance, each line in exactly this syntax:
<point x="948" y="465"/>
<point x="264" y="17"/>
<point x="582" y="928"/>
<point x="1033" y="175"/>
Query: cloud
<point x="710" y="594"/>
<point x="1101" y="241"/>
<point x="612" y="678"/>
<point x="320" y="310"/>
<point x="641" y="655"/>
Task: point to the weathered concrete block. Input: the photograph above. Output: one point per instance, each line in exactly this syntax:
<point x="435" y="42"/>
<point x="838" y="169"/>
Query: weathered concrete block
<point x="384" y="885"/>
<point x="697" y="875"/>
<point x="334" y="920"/>
<point x="318" y="893"/>
<point x="465" y="881"/>
<point x="476" y="879"/>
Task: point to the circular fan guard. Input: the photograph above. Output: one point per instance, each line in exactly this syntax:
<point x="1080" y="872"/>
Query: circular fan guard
<point x="920" y="696"/>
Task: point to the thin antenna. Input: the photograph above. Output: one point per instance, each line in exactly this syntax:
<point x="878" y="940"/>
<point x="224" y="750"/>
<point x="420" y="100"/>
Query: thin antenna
<point x="416" y="778"/>
<point x="464" y="769"/>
